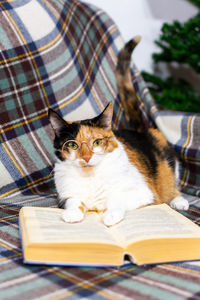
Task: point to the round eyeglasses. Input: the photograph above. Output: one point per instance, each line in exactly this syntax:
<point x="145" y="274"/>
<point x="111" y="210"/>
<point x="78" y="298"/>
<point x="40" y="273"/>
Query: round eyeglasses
<point x="96" y="146"/>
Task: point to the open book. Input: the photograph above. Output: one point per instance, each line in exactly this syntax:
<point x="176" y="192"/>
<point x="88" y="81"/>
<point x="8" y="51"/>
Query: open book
<point x="152" y="234"/>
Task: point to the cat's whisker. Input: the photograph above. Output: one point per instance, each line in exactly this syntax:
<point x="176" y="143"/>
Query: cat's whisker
<point x="52" y="171"/>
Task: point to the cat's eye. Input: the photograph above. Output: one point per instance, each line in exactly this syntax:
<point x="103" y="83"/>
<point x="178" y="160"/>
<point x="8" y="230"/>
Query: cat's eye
<point x="72" y="145"/>
<point x="97" y="143"/>
<point x="97" y="146"/>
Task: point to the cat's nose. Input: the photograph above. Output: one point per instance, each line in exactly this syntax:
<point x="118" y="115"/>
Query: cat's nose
<point x="85" y="153"/>
<point x="87" y="158"/>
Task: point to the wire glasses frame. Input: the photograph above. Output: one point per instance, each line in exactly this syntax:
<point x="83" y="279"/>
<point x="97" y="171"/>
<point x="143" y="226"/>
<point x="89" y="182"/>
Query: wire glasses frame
<point x="96" y="146"/>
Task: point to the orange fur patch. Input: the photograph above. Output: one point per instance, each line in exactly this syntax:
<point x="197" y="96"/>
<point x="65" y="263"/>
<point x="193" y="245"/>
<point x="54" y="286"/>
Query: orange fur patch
<point x="88" y="133"/>
<point x="159" y="137"/>
<point x="82" y="209"/>
<point x="163" y="185"/>
<point x="88" y="169"/>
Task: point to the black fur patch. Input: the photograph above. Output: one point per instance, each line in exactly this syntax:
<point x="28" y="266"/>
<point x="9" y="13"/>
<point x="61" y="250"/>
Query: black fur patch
<point x="89" y="122"/>
<point x="169" y="155"/>
<point x="69" y="132"/>
<point x="146" y="145"/>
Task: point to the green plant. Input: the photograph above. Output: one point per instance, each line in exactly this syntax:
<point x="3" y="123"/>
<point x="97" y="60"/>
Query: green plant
<point x="178" y="43"/>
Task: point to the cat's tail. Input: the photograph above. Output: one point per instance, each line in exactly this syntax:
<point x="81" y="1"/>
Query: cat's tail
<point x="125" y="86"/>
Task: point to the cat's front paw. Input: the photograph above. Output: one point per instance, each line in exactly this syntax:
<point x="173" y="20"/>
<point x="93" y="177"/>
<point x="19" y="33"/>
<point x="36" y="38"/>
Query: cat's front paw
<point x="179" y="203"/>
<point x="111" y="217"/>
<point x="72" y="215"/>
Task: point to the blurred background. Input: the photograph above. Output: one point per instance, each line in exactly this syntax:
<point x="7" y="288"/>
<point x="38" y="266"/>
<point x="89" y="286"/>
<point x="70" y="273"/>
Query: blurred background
<point x="145" y="17"/>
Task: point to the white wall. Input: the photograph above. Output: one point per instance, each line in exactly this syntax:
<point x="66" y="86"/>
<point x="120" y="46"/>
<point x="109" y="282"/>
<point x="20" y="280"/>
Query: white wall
<point x="145" y="17"/>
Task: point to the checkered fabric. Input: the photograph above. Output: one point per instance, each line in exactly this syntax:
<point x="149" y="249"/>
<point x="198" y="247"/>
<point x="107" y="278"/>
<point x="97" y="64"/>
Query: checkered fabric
<point x="53" y="54"/>
<point x="62" y="54"/>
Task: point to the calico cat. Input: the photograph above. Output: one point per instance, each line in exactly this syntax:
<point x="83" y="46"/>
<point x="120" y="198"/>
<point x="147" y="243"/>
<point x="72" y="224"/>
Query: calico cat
<point x="113" y="171"/>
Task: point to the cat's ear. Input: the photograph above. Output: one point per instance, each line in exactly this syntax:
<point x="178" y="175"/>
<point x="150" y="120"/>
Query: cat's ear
<point x="56" y="121"/>
<point x="105" y="118"/>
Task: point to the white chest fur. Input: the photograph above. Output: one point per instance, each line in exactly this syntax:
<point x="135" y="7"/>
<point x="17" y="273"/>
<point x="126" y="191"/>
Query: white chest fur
<point x="114" y="181"/>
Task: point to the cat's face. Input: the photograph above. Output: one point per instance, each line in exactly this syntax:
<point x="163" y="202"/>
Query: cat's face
<point x="85" y="143"/>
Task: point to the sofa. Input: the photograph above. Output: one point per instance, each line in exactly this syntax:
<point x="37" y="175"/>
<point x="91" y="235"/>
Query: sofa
<point x="62" y="54"/>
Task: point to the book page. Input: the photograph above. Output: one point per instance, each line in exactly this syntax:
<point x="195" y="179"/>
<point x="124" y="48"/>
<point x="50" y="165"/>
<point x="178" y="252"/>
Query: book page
<point x="158" y="221"/>
<point x="46" y="225"/>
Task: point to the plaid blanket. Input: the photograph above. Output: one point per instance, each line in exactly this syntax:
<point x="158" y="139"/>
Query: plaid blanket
<point x="62" y="54"/>
<point x="62" y="60"/>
